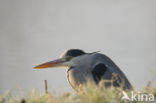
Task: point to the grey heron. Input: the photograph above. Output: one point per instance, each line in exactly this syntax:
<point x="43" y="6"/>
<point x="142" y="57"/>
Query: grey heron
<point x="82" y="66"/>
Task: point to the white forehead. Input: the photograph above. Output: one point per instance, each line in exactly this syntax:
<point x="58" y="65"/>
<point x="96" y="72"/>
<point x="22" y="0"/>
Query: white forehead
<point x="63" y="54"/>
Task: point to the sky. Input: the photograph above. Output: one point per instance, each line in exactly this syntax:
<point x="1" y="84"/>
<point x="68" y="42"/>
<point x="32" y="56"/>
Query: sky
<point x="36" y="31"/>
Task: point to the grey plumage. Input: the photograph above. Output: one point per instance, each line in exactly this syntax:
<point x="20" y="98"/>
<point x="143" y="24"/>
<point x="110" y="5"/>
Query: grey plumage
<point x="89" y="66"/>
<point x="84" y="66"/>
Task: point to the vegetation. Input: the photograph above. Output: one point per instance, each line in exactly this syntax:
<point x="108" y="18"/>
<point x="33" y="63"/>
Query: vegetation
<point x="90" y="94"/>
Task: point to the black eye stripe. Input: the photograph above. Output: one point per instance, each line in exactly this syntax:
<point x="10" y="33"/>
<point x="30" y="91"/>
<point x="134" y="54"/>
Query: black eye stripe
<point x="74" y="52"/>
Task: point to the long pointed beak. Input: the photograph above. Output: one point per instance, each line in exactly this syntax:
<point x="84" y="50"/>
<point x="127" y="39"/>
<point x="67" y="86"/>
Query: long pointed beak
<point x="55" y="63"/>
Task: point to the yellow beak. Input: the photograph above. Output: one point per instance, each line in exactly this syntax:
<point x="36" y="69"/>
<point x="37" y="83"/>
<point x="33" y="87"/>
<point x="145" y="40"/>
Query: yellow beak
<point x="54" y="63"/>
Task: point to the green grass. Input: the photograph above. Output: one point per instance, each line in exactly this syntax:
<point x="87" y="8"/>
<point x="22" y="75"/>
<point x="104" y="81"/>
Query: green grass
<point x="90" y="94"/>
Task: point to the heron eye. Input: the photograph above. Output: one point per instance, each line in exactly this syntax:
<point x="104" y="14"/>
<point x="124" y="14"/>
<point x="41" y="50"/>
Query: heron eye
<point x="68" y="58"/>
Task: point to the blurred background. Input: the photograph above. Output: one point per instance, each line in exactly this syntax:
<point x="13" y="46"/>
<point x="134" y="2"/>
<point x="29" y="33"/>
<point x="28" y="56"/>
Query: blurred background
<point x="37" y="31"/>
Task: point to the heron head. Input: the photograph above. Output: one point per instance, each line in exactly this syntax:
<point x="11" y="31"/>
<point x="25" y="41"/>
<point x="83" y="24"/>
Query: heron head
<point x="65" y="59"/>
